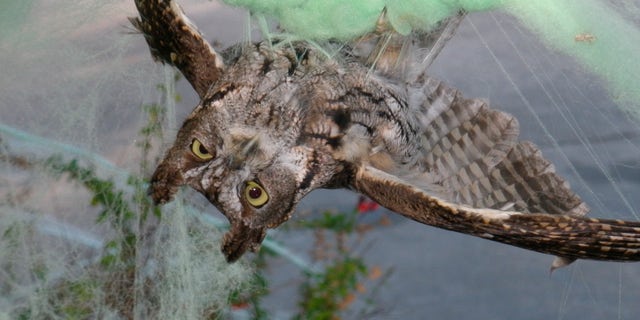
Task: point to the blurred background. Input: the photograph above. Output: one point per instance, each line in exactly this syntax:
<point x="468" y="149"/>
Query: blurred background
<point x="74" y="76"/>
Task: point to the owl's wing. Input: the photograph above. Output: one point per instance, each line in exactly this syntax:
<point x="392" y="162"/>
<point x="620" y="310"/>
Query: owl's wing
<point x="474" y="176"/>
<point x="173" y="39"/>
<point x="567" y="236"/>
<point x="472" y="154"/>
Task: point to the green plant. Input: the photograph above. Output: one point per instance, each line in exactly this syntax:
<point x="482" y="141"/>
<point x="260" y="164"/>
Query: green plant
<point x="326" y="294"/>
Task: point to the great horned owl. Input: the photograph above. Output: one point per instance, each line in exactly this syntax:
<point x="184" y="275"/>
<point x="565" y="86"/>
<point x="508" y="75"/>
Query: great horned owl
<point x="278" y="120"/>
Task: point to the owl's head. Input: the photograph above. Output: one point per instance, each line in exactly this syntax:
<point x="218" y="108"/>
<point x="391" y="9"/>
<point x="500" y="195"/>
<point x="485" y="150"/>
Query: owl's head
<point x="243" y="153"/>
<point x="242" y="147"/>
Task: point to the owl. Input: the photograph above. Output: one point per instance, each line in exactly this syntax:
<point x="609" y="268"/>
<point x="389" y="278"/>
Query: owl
<point x="278" y="120"/>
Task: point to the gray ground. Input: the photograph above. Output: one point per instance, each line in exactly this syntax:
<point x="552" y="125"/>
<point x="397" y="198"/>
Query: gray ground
<point x="439" y="274"/>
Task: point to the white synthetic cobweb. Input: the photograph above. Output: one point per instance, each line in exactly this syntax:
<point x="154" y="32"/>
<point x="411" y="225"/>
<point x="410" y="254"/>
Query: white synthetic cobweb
<point x="74" y="78"/>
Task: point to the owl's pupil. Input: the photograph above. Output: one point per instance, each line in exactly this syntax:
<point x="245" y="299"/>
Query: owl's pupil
<point x="202" y="149"/>
<point x="255" y="193"/>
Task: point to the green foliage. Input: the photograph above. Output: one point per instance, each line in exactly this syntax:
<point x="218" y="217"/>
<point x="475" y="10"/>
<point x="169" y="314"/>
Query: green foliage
<point x="105" y="194"/>
<point x="76" y="299"/>
<point x="341" y="222"/>
<point x="329" y="292"/>
<point x="125" y="212"/>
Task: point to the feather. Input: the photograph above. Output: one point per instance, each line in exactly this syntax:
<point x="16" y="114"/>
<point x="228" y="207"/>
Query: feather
<point x="173" y="39"/>
<point x="567" y="236"/>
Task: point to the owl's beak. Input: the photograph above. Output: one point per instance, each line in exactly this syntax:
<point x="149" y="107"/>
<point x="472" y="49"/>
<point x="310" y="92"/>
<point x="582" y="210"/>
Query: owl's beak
<point x="241" y="238"/>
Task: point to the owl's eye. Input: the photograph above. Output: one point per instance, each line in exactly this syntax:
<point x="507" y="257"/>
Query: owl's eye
<point x="255" y="194"/>
<point x="200" y="151"/>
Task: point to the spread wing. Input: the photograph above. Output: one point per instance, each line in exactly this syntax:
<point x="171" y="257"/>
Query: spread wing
<point x="473" y="154"/>
<point x="474" y="176"/>
<point x="567" y="236"/>
<point x="173" y="39"/>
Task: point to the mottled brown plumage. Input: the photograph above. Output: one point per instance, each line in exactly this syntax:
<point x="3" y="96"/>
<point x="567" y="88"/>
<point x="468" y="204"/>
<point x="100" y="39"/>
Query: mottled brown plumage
<point x="173" y="39"/>
<point x="567" y="236"/>
<point x="277" y="121"/>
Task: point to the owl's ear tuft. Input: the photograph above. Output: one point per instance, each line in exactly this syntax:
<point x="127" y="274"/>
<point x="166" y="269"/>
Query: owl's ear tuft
<point x="164" y="183"/>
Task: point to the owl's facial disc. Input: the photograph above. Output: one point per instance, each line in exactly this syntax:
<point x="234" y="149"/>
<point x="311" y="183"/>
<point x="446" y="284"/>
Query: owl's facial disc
<point x="262" y="200"/>
<point x="252" y="178"/>
<point x="268" y="196"/>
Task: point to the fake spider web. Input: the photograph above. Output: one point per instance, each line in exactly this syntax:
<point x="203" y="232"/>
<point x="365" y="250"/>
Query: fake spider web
<point x="75" y="80"/>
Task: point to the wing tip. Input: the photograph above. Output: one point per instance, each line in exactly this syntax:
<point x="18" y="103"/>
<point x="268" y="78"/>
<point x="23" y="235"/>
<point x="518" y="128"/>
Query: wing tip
<point x="560" y="262"/>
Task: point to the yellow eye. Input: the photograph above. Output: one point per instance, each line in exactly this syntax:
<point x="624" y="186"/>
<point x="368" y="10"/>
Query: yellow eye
<point x="255" y="194"/>
<point x="199" y="150"/>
